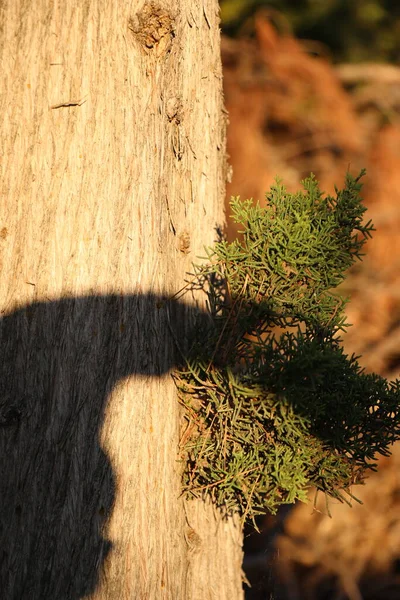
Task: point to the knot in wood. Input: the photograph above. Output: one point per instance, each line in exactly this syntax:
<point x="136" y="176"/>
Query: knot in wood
<point x="153" y="27"/>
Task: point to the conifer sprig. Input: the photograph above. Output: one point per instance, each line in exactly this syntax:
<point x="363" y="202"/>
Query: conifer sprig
<point x="273" y="404"/>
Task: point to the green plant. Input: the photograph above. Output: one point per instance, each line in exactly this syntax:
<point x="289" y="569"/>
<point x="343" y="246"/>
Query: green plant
<point x="273" y="405"/>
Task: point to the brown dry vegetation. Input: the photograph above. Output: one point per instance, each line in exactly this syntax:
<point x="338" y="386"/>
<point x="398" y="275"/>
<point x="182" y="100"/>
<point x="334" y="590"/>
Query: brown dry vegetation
<point x="353" y="553"/>
<point x="291" y="114"/>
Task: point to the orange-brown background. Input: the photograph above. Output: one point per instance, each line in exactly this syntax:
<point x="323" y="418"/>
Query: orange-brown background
<point x="292" y="113"/>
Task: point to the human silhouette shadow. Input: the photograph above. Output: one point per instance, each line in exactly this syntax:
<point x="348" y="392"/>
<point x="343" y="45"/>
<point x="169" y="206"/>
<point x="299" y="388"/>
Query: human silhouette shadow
<point x="59" y="361"/>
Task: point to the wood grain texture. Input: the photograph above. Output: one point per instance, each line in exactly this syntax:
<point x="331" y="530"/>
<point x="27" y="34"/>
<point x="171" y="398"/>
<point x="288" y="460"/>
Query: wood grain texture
<point x="112" y="181"/>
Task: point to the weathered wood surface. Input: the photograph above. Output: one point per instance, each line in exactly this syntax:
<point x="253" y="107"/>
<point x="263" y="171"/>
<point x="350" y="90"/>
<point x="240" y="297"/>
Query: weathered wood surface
<point x="112" y="181"/>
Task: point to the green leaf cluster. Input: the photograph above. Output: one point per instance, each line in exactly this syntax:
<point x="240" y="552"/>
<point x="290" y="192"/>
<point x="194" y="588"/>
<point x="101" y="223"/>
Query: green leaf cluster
<point x="273" y="405"/>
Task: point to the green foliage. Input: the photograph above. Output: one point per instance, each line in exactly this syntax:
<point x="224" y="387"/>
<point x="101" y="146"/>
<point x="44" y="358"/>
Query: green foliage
<point x="362" y="30"/>
<point x="273" y="404"/>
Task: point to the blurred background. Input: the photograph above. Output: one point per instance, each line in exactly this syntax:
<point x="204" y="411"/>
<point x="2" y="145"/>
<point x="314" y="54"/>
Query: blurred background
<point x="314" y="86"/>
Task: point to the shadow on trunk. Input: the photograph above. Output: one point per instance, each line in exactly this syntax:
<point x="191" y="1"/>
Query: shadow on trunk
<point x="59" y="362"/>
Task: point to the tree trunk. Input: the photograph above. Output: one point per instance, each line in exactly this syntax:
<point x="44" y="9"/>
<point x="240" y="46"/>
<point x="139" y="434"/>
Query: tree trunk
<point x="112" y="181"/>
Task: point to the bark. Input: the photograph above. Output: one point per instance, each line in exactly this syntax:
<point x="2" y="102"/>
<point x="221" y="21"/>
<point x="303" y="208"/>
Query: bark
<point x="112" y="181"/>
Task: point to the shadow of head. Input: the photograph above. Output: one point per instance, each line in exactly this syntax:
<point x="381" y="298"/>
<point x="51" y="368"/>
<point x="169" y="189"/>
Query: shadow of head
<point x="59" y="362"/>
